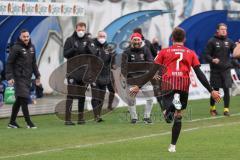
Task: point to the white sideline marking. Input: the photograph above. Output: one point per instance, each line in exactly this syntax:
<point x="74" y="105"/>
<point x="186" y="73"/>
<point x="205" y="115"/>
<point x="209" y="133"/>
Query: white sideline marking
<point x="116" y="141"/>
<point x="210" y="118"/>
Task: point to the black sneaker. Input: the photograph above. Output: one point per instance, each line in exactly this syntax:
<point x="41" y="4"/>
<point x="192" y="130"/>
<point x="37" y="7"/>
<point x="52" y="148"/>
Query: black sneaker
<point x="98" y="120"/>
<point x="13" y="125"/>
<point x="134" y="121"/>
<point x="31" y="125"/>
<point x="147" y="121"/>
<point x="80" y="122"/>
<point x="168" y="116"/>
<point x="69" y="123"/>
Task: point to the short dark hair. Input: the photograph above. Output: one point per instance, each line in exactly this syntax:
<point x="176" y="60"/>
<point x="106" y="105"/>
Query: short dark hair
<point x="178" y="34"/>
<point x="221" y="24"/>
<point x="137" y="30"/>
<point x="81" y="24"/>
<point x="23" y="31"/>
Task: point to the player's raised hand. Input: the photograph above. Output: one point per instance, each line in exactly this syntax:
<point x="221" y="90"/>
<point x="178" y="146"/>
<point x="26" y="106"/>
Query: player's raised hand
<point x="216" y="96"/>
<point x="134" y="90"/>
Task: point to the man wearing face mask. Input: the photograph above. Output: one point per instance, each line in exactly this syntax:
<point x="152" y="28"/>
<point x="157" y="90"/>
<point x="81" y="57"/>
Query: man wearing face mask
<point x="137" y="53"/>
<point x="218" y="52"/>
<point x="104" y="79"/>
<point x="77" y="44"/>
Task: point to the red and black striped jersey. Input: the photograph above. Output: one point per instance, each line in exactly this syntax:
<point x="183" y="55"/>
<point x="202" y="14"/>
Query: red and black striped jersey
<point x="178" y="61"/>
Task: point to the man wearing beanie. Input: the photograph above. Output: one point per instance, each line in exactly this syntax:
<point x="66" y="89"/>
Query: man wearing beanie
<point x="136" y="53"/>
<point x="156" y="84"/>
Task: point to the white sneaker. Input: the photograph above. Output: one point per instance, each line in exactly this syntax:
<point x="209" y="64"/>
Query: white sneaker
<point x="172" y="148"/>
<point x="176" y="101"/>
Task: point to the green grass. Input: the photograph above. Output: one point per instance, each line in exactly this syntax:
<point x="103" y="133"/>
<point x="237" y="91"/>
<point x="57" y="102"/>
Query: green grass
<point x="117" y="139"/>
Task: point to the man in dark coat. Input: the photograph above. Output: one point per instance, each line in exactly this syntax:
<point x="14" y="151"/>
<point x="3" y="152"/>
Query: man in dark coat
<point x="218" y="52"/>
<point x="77" y="44"/>
<point x="153" y="50"/>
<point x="21" y="64"/>
<point x="137" y="53"/>
<point x="104" y="79"/>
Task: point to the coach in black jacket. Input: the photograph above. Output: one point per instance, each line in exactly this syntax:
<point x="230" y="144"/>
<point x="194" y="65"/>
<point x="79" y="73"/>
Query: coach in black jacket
<point x="104" y="80"/>
<point x="153" y="51"/>
<point x="218" y="52"/>
<point x="21" y="64"/>
<point x="77" y="44"/>
<point x="137" y="54"/>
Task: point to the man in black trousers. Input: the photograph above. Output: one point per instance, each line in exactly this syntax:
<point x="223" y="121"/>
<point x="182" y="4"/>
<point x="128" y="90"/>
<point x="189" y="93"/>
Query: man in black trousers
<point x="21" y="64"/>
<point x="77" y="44"/>
<point x="104" y="79"/>
<point x="218" y="52"/>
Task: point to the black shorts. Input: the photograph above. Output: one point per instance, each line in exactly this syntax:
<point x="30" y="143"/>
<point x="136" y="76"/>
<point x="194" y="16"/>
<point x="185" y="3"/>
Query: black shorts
<point x="221" y="79"/>
<point x="168" y="99"/>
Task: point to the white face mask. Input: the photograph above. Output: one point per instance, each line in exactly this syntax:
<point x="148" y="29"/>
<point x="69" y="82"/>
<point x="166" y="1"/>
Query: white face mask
<point x="101" y="40"/>
<point x="80" y="34"/>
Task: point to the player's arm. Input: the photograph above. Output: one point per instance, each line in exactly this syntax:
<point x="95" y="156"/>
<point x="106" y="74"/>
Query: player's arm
<point x="202" y="78"/>
<point x="143" y="80"/>
<point x="156" y="67"/>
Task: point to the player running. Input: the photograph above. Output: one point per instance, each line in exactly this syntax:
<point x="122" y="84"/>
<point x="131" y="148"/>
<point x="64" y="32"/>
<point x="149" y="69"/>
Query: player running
<point x="178" y="61"/>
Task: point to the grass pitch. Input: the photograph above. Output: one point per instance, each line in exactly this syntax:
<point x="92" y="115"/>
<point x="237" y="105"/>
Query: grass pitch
<point x="202" y="137"/>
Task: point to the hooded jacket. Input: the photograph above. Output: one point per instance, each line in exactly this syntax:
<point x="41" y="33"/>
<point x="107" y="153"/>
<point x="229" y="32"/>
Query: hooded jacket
<point x="21" y="64"/>
<point x="107" y="58"/>
<point x="221" y="48"/>
<point x="75" y="46"/>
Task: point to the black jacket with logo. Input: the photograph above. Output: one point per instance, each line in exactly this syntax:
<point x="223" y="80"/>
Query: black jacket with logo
<point x="136" y="55"/>
<point x="75" y="46"/>
<point x="221" y="48"/>
<point x="107" y="58"/>
<point x="21" y="64"/>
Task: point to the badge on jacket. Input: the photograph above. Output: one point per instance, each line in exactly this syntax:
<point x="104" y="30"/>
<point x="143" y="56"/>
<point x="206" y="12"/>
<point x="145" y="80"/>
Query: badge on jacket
<point x="226" y="44"/>
<point x="106" y="52"/>
<point x="71" y="80"/>
<point x="24" y="51"/>
<point x="32" y="50"/>
<point x="132" y="57"/>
